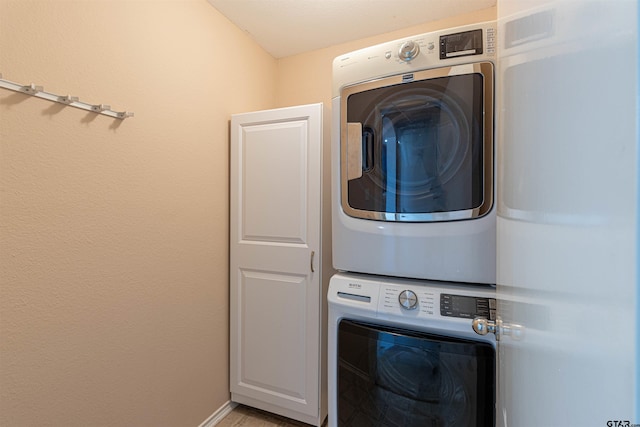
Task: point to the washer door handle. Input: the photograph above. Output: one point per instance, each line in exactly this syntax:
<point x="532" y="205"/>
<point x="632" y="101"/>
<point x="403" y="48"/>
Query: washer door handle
<point x="482" y="326"/>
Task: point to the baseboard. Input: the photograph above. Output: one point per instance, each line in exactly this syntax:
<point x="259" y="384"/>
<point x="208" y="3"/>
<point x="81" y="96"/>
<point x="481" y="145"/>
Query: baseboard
<point x="217" y="416"/>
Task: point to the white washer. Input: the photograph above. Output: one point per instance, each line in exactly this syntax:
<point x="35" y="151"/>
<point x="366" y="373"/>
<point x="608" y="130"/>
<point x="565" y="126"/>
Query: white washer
<point x="438" y="371"/>
<point x="413" y="157"/>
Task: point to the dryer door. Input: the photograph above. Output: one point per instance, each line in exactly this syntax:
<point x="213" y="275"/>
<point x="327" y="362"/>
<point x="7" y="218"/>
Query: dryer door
<point x="419" y="147"/>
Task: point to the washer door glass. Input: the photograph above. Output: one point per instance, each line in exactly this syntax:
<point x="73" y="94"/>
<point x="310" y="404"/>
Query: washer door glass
<point x="417" y="151"/>
<point x="394" y="377"/>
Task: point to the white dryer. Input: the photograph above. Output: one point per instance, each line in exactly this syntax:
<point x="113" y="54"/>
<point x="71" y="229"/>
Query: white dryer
<point x="413" y="157"/>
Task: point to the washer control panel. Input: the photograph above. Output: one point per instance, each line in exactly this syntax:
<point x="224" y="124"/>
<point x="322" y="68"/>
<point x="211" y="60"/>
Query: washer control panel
<point x="427" y="301"/>
<point x="467" y="307"/>
<point x="412" y="300"/>
<point x="408" y="300"/>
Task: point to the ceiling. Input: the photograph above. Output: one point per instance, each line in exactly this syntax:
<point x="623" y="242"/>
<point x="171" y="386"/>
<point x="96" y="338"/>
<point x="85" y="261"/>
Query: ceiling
<point x="289" y="27"/>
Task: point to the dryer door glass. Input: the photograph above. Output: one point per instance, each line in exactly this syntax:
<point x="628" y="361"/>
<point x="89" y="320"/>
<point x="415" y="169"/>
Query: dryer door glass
<point x="416" y="151"/>
<point x="394" y="377"/>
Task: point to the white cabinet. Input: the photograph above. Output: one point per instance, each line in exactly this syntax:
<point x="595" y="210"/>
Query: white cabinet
<point x="279" y="262"/>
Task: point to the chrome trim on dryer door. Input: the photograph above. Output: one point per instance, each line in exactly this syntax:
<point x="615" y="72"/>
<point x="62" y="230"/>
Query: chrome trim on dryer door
<point x="348" y="148"/>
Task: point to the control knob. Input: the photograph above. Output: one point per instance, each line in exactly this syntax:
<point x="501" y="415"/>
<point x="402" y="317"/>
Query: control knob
<point x="408" y="50"/>
<point x="408" y="300"/>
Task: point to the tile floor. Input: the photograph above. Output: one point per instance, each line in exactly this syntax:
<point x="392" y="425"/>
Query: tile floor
<point x="244" y="416"/>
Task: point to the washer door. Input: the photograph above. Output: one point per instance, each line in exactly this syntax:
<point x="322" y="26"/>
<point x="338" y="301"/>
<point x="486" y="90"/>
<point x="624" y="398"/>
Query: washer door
<point x="395" y="377"/>
<point x="419" y="147"/>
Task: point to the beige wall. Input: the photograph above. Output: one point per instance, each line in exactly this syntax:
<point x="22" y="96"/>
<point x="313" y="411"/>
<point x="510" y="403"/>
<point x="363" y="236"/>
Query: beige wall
<point x="114" y="234"/>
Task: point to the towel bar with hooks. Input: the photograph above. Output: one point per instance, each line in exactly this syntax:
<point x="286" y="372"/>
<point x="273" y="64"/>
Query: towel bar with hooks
<point x="72" y="101"/>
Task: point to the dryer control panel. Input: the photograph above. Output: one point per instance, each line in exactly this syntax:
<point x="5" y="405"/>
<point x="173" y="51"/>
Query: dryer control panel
<point x="466" y="43"/>
<point x="443" y="48"/>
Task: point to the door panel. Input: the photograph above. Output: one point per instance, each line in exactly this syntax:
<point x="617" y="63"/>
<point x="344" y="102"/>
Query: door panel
<point x="567" y="213"/>
<point x="274" y="238"/>
<point x="272" y="338"/>
<point x="278" y="215"/>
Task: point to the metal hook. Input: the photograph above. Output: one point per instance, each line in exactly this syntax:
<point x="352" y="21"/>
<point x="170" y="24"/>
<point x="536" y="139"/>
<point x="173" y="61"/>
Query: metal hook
<point x="68" y="99"/>
<point x="124" y="114"/>
<point x="100" y="108"/>
<point x="31" y="89"/>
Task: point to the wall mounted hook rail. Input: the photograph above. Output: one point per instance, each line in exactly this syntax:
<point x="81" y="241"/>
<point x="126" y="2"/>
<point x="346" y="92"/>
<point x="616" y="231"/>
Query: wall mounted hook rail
<point x="72" y="101"/>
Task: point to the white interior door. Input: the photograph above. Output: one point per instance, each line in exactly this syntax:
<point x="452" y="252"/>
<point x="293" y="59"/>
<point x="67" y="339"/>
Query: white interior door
<point x="568" y="216"/>
<point x="274" y="262"/>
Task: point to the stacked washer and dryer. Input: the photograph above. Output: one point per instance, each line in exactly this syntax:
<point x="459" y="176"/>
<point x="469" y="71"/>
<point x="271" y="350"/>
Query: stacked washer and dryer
<point x="413" y="232"/>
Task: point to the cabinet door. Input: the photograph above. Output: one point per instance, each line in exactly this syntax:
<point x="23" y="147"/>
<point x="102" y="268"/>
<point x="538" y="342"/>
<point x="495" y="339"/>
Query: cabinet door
<point x="274" y="260"/>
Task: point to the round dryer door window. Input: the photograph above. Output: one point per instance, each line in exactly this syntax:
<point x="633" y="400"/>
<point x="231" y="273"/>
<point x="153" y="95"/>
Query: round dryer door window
<point x="417" y="150"/>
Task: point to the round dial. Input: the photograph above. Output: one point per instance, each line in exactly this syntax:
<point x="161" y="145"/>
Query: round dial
<point x="408" y="50"/>
<point x="408" y="300"/>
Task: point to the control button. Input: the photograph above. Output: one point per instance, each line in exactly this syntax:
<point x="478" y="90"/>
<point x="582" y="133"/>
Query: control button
<point x="430" y="46"/>
<point x="408" y="50"/>
<point x="387" y="55"/>
<point x="408" y="300"/>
